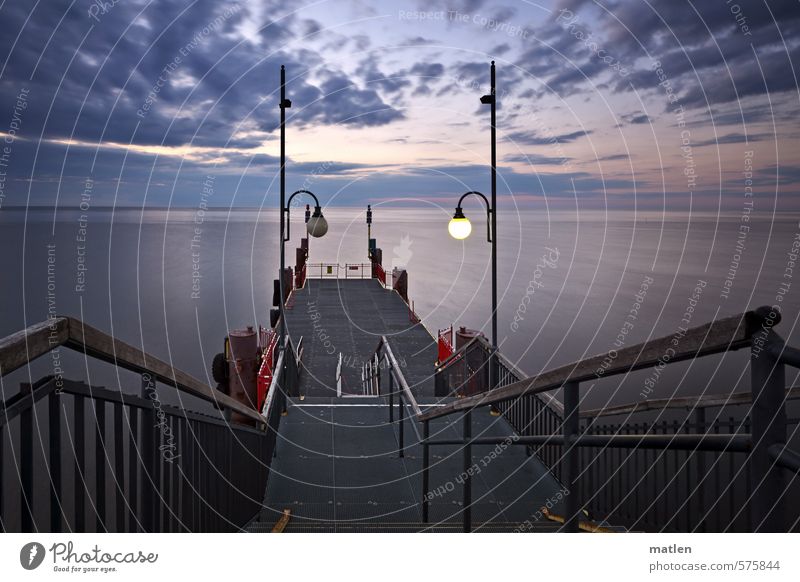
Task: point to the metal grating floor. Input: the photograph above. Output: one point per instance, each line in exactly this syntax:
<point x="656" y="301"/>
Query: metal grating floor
<point x="349" y="316"/>
<point x="337" y="469"/>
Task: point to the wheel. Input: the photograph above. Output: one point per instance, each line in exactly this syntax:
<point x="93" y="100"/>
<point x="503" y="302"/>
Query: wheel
<point x="219" y="369"/>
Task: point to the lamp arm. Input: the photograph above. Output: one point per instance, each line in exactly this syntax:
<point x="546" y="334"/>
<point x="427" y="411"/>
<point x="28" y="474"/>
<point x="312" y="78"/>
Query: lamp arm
<point x="489" y="211"/>
<point x="289" y="205"/>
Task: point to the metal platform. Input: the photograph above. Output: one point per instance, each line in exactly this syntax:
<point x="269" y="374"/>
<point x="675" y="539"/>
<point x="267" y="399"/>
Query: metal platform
<point x="348" y="317"/>
<point x="337" y="468"/>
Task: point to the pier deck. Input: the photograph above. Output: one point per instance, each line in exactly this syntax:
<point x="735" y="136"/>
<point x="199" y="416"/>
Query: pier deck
<point x="337" y="468"/>
<point x="349" y="316"/>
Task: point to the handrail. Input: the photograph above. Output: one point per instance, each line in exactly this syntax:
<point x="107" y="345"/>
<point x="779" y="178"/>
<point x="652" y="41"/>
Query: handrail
<point x="684" y="402"/>
<point x="274" y="385"/>
<point x="26" y="345"/>
<point x="548" y="400"/>
<point x="731" y="333"/>
<point x="405" y="390"/>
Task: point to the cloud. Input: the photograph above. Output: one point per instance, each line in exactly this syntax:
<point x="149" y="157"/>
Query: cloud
<point x="637" y="118"/>
<point x="535" y="159"/>
<point x="734" y="138"/>
<point x="534" y="138"/>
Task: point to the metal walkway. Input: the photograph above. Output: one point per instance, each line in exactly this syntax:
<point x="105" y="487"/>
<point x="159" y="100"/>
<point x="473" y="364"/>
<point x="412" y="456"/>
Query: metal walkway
<point x="338" y="469"/>
<point x="348" y="317"/>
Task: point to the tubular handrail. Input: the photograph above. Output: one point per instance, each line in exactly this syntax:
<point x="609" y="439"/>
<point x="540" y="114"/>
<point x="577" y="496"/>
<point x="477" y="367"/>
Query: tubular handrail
<point x="549" y="400"/>
<point x="274" y="385"/>
<point x="728" y="334"/>
<point x="26" y="345"/>
<point x="683" y="402"/>
<point x="394" y="367"/>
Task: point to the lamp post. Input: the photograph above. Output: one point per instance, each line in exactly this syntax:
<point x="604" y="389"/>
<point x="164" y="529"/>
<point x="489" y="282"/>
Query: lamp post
<point x="369" y="231"/>
<point x="316" y="225"/>
<point x="460" y="227"/>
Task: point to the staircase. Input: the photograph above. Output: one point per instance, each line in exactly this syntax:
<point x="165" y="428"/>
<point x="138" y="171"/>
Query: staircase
<point x="337" y="469"/>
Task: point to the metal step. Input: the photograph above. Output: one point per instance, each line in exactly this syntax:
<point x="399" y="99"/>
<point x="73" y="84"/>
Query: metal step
<point x="307" y="526"/>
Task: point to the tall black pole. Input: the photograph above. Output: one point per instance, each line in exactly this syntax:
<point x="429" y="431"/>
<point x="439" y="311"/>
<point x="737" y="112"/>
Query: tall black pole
<point x="493" y="367"/>
<point x="282" y="324"/>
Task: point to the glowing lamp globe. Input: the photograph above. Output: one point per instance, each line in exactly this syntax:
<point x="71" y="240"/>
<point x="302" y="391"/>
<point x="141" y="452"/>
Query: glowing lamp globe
<point x="460" y="226"/>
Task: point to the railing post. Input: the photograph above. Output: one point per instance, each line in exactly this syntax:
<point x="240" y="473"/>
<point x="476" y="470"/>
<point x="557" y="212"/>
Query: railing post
<point x="391" y="393"/>
<point x="570" y="427"/>
<point x="402" y="423"/>
<point x="26" y="463"/>
<point x="426" y="459"/>
<point x="768" y="422"/>
<point x="700" y="457"/>
<point x="148" y="455"/>
<point x="467" y="466"/>
<point x="54" y="418"/>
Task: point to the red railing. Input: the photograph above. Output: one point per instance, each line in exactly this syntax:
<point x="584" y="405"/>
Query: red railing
<point x="380" y="274"/>
<point x="300" y="278"/>
<point x="445" y="344"/>
<point x="268" y="339"/>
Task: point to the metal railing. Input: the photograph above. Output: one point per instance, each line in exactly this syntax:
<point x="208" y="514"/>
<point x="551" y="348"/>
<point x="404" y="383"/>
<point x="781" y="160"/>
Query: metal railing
<point x="346" y="271"/>
<point x="89" y="458"/>
<point x="467" y="372"/>
<point x="763" y="436"/>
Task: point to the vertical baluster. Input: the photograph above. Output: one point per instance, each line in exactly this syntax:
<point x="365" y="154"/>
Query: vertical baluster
<point x="715" y="486"/>
<point x="148" y="473"/>
<point x="100" y="463"/>
<point x="26" y="462"/>
<point x="467" y="464"/>
<point x="674" y="512"/>
<point x="732" y="479"/>
<point x="402" y="406"/>
<point x="80" y="464"/>
<point x="700" y="468"/>
<point x="391" y="393"/>
<point x="119" y="467"/>
<point x="571" y="461"/>
<point x="425" y="469"/>
<point x="629" y="476"/>
<point x="748" y="473"/>
<point x="55" y="462"/>
<point x="3" y="526"/>
<point x="637" y="508"/>
<point x="768" y="420"/>
<point x="174" y="474"/>
<point x="134" y="519"/>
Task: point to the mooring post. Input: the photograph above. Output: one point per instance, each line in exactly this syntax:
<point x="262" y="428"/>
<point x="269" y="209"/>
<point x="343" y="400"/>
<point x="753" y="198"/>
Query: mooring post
<point x="571" y="426"/>
<point x="426" y="459"/>
<point x="768" y="428"/>
<point x="465" y="473"/>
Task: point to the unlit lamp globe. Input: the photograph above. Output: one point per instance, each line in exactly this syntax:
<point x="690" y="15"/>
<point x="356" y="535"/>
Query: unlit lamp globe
<point x="459" y="228"/>
<point x="317" y="226"/>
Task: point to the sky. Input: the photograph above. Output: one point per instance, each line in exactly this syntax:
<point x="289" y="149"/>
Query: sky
<point x="622" y="105"/>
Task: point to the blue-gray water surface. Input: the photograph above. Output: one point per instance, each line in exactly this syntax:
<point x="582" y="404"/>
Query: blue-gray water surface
<point x="570" y="286"/>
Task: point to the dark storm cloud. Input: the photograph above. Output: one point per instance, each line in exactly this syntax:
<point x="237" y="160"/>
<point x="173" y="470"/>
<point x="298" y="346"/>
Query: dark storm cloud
<point x="534" y="138"/>
<point x="375" y="78"/>
<point x="172" y="75"/>
<point x="704" y="47"/>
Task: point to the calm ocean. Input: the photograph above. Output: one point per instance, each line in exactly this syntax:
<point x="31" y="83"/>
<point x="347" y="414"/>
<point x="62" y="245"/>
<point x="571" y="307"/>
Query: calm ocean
<point x="569" y="285"/>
